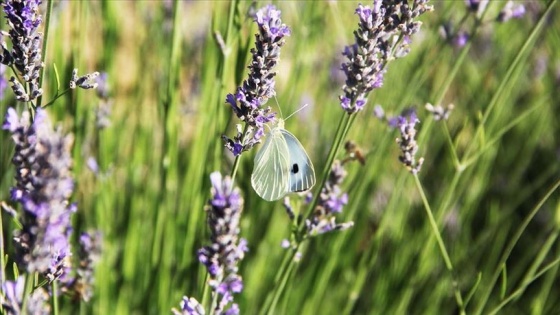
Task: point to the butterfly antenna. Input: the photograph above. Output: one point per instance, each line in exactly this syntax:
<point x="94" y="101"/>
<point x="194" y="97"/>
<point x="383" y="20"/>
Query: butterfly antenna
<point x="277" y="104"/>
<point x="299" y="109"/>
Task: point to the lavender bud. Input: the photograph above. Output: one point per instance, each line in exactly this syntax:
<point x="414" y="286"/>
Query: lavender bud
<point x="247" y="103"/>
<point x="23" y="18"/>
<point x="511" y="11"/>
<point x="189" y="306"/>
<point x="476" y="6"/>
<point x="43" y="187"/>
<point x="223" y="255"/>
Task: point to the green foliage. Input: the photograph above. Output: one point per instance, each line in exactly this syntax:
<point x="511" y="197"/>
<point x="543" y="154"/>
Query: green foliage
<point x="490" y="174"/>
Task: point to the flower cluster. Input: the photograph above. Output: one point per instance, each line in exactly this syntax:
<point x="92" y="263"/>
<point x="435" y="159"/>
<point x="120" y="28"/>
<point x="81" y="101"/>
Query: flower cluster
<point x="331" y="202"/>
<point x="12" y="299"/>
<point x="247" y="103"/>
<point x="221" y="258"/>
<point x="407" y="142"/>
<point x="43" y="187"/>
<point x="383" y="34"/>
<point x="89" y="253"/>
<point x="24" y="19"/>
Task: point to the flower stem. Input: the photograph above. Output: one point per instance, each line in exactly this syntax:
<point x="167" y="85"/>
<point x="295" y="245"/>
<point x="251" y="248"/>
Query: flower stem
<point x="441" y="244"/>
<point x="44" y="48"/>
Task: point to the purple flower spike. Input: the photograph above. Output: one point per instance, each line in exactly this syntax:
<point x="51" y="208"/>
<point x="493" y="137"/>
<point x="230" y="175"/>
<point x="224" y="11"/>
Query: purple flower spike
<point x="375" y="46"/>
<point x="24" y="20"/>
<point x="222" y="257"/>
<point x="249" y="99"/>
<point x="407" y="142"/>
<point x="43" y="187"/>
<point x="331" y="202"/>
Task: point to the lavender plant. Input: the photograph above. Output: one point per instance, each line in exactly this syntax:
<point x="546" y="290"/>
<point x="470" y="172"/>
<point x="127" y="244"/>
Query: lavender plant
<point x="43" y="162"/>
<point x="24" y="20"/>
<point x="384" y="33"/>
<point x="223" y="255"/>
<point x="43" y="187"/>
<point x="248" y="101"/>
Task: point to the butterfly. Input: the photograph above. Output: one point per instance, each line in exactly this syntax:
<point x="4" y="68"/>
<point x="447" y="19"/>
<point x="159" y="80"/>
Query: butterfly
<point x="281" y="166"/>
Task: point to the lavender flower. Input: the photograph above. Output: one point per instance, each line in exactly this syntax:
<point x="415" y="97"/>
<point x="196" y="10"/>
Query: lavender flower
<point x="3" y="81"/>
<point x="11" y="299"/>
<point x="189" y="306"/>
<point x="476" y="6"/>
<point x="511" y="11"/>
<point x="247" y="103"/>
<point x="222" y="257"/>
<point x="81" y="286"/>
<point x="383" y="34"/>
<point x="43" y="186"/>
<point x="407" y="142"/>
<point x="24" y="19"/>
<point x="331" y="202"/>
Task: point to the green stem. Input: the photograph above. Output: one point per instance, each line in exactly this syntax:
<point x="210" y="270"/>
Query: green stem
<point x="509" y="248"/>
<point x="441" y="244"/>
<point x="44" y="48"/>
<point x="54" y="297"/>
<point x="524" y="286"/>
<point x="502" y="88"/>
<point x="343" y="126"/>
<point x="2" y="262"/>
<point x="28" y="288"/>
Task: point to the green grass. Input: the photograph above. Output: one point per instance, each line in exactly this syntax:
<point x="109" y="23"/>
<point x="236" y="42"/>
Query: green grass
<point x="490" y="174"/>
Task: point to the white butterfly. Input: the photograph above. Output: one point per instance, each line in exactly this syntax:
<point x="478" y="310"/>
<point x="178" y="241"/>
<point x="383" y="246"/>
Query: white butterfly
<point x="281" y="165"/>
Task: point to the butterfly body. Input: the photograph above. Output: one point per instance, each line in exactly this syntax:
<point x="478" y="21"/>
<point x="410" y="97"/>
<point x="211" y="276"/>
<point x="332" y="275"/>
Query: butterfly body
<point x="281" y="166"/>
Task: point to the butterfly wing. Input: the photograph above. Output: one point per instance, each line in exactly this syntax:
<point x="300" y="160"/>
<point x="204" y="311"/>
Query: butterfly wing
<point x="302" y="173"/>
<point x="270" y="178"/>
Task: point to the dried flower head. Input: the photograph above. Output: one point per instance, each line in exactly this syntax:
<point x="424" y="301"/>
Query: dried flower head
<point x="383" y="34"/>
<point x="247" y="103"/>
<point x="43" y="187"/>
<point x="226" y="250"/>
<point x="86" y="81"/>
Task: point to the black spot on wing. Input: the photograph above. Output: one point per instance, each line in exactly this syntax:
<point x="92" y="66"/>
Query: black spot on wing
<point x="295" y="168"/>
